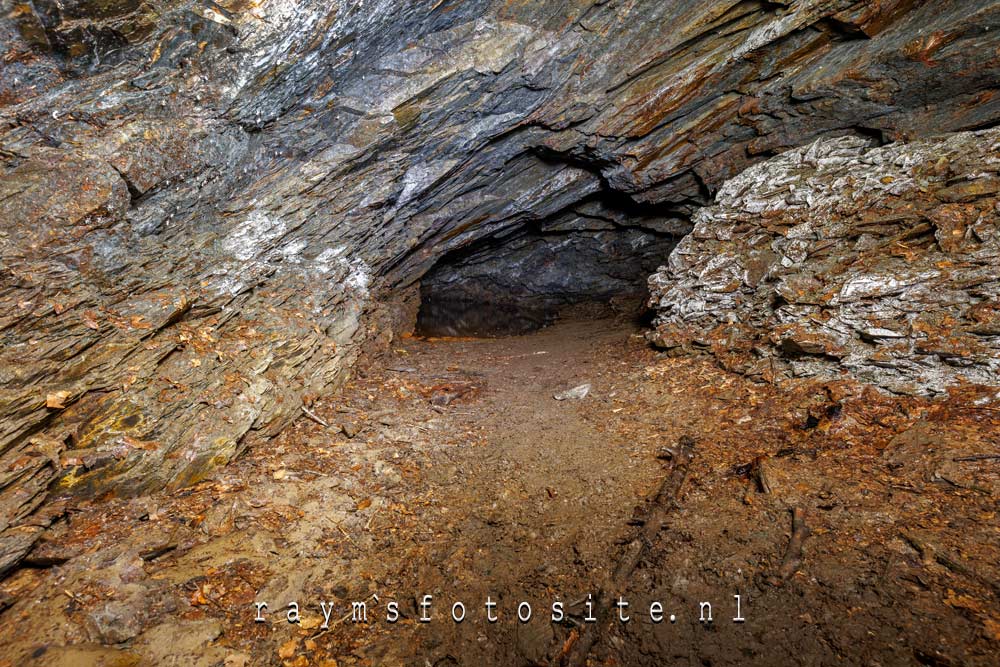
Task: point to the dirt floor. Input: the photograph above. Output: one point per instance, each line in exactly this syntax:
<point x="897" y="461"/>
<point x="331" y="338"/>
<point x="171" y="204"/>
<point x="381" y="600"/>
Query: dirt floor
<point x="450" y="470"/>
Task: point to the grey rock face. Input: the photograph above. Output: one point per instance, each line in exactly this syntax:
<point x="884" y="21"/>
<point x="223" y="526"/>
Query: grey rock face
<point x="836" y="255"/>
<point x="210" y="212"/>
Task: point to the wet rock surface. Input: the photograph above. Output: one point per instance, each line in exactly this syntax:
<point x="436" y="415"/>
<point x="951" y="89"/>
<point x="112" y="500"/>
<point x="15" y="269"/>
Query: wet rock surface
<point x="206" y="208"/>
<point x="839" y="256"/>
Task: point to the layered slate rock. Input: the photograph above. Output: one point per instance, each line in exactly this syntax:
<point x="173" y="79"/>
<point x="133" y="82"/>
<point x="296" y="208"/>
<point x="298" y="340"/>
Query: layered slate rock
<point x="841" y="257"/>
<point x="204" y="207"/>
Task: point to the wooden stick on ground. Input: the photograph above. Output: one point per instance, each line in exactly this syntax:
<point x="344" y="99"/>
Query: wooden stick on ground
<point x="313" y="416"/>
<point x="793" y="555"/>
<point x="930" y="553"/>
<point x="758" y="471"/>
<point x="977" y="457"/>
<point x="661" y="505"/>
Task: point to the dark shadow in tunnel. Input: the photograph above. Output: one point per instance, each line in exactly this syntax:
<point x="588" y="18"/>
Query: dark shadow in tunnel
<point x="588" y="262"/>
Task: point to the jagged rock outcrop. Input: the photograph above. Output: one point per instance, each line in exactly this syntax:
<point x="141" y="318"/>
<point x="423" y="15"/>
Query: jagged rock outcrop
<point x="203" y="207"/>
<point x="836" y="255"/>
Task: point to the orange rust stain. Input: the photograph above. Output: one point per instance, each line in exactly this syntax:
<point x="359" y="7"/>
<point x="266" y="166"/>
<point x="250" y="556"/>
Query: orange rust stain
<point x="924" y="48"/>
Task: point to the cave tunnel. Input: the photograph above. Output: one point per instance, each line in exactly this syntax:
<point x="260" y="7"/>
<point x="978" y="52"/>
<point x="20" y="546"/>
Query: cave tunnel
<point x="591" y="260"/>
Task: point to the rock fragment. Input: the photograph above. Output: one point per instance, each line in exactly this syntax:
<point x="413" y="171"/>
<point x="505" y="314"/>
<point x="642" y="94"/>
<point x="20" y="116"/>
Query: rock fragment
<point x="578" y="392"/>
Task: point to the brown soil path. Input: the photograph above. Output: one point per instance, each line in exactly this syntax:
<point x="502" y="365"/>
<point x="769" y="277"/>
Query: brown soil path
<point x="449" y="470"/>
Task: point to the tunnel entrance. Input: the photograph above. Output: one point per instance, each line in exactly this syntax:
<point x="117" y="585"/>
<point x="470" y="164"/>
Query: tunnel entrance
<point x="592" y="260"/>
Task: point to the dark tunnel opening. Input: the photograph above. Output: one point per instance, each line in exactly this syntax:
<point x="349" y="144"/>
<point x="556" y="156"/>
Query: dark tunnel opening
<point x="590" y="261"/>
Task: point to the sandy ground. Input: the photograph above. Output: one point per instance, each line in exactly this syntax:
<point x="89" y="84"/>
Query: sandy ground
<point x="448" y="469"/>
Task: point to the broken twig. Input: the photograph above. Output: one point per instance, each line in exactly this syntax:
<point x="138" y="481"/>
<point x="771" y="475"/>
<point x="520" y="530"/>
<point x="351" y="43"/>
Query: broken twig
<point x="313" y="416"/>
<point x="758" y="472"/>
<point x="661" y="505"/>
<point x="156" y="552"/>
<point x="793" y="555"/>
<point x="976" y="457"/>
<point x="929" y="553"/>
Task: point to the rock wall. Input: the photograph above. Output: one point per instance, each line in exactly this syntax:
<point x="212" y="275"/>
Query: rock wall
<point x="203" y="207"/>
<point x="837" y="257"/>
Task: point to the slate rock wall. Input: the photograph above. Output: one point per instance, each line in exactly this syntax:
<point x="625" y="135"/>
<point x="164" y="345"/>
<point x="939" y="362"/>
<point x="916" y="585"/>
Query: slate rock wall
<point x="839" y="257"/>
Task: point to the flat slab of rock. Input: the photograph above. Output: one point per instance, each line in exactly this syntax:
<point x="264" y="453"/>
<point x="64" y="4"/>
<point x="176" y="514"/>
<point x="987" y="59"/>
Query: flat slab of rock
<point x="576" y="393"/>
